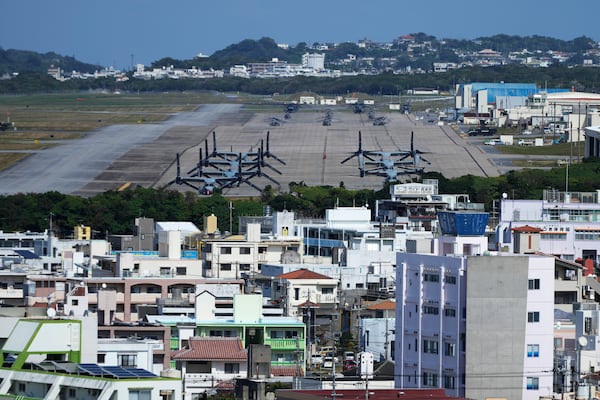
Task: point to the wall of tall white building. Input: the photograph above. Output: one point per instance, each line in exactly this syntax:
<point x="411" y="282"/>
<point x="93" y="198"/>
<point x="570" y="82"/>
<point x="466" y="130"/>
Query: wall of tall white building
<point x="430" y="306"/>
<point x="509" y="327"/>
<point x="314" y="60"/>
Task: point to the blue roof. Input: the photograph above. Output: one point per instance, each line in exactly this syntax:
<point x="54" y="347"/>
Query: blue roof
<point x="510" y="89"/>
<point x="463" y="223"/>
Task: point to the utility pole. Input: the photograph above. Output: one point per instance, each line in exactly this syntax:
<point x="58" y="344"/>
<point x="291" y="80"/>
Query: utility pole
<point x="386" y="339"/>
<point x="231" y="217"/>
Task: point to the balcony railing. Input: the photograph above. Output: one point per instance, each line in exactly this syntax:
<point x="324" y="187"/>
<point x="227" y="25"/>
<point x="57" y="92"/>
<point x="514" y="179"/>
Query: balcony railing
<point x="11" y="293"/>
<point x="209" y="380"/>
<point x="285" y="344"/>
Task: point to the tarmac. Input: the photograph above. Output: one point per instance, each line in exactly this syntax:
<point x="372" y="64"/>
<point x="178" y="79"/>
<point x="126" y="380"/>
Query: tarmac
<point x="144" y="155"/>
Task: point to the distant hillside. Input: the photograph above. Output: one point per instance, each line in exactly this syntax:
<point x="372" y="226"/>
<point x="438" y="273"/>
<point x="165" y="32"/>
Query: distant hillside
<point x="29" y="61"/>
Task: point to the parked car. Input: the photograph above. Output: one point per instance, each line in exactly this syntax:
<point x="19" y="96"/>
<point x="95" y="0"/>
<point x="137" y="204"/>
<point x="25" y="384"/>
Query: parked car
<point x="349" y="364"/>
<point x="316" y="359"/>
<point x="348" y="356"/>
<point x="325" y="349"/>
<point x="526" y="132"/>
<point x="329" y="359"/>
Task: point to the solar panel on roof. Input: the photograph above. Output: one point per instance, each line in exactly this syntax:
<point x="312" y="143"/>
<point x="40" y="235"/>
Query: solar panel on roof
<point x="26" y="254"/>
<point x="119" y="372"/>
<point x="113" y="371"/>
<point x="92" y="369"/>
<point x="142" y="372"/>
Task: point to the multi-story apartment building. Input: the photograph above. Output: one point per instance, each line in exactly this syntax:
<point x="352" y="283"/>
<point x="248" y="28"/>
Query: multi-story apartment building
<point x="472" y="324"/>
<point x="460" y="312"/>
<point x="569" y="224"/>
<point x="285" y="335"/>
<point x="237" y="255"/>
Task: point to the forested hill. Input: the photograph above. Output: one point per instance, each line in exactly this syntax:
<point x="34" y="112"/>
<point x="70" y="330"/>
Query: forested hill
<point x="29" y="61"/>
<point x="418" y="51"/>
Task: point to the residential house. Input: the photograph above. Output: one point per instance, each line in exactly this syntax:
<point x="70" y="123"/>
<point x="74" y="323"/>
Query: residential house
<point x="285" y="335"/>
<point x="208" y="362"/>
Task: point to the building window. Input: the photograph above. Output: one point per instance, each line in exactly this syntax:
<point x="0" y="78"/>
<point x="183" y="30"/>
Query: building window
<point x="262" y="250"/>
<point x="165" y="271"/>
<point x="430" y="346"/>
<point x="450" y="312"/>
<point x="533" y="383"/>
<point x="181" y="271"/>
<point x="327" y="290"/>
<point x="127" y="360"/>
<point x="225" y="267"/>
<point x="430" y="379"/>
<point x="431" y="310"/>
<point x="296" y="293"/>
<point x="215" y="333"/>
<point x="558" y="343"/>
<point x="588" y="326"/>
<point x="533" y="350"/>
<point x="449" y="349"/>
<point x="244" y="267"/>
<point x="431" y="277"/>
<point x="72" y="392"/>
<point x="101" y="358"/>
<point x="208" y="264"/>
<point x="225" y="250"/>
<point x="534" y="284"/>
<point x="533" y="316"/>
<point x="245" y="250"/>
<point x="140" y="394"/>
<point x="449" y="382"/>
<point x="450" y="279"/>
<point x="231" y="368"/>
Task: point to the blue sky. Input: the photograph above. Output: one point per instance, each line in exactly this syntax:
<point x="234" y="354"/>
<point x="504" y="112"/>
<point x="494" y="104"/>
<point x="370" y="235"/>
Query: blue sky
<point x="109" y="32"/>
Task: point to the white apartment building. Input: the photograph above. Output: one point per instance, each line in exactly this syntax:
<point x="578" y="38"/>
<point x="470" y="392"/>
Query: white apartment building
<point x="478" y="326"/>
<point x="302" y="289"/>
<point x="569" y="223"/>
<point x="315" y="61"/>
<point x="238" y="255"/>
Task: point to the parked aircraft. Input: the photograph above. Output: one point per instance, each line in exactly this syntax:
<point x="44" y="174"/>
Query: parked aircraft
<point x="224" y="169"/>
<point x="389" y="164"/>
<point x="202" y="183"/>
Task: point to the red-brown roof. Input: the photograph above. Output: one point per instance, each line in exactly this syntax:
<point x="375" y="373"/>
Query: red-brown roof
<point x="310" y="304"/>
<point x="211" y="349"/>
<point x="303" y="274"/>
<point x="527" y="229"/>
<point x="286" y="371"/>
<point x="384" y="305"/>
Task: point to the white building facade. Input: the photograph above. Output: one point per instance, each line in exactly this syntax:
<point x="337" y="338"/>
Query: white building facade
<point x="477" y="326"/>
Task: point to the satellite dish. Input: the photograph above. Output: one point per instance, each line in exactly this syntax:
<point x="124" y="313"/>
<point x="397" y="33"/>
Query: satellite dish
<point x="51" y="312"/>
<point x="582" y="341"/>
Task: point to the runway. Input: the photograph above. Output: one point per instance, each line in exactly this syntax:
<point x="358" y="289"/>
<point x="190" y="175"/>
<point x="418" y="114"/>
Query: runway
<point x="145" y="155"/>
